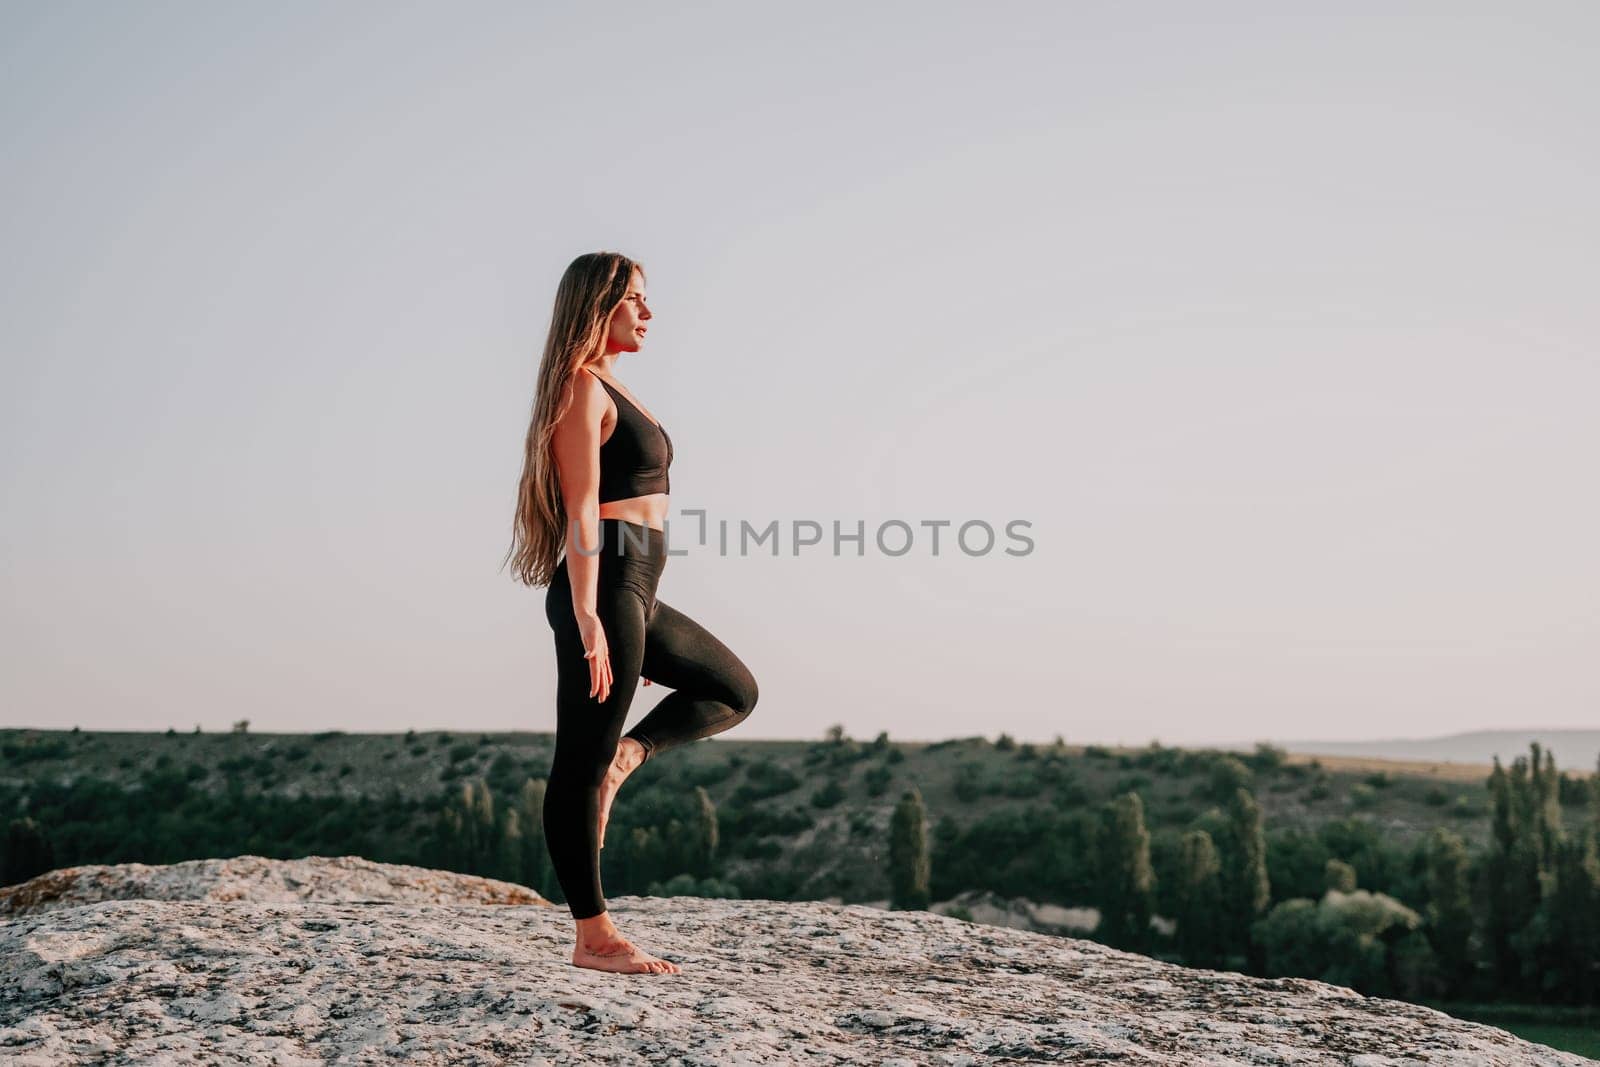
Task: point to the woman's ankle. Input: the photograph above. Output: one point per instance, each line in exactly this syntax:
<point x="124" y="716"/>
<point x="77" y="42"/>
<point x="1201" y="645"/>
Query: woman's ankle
<point x="597" y="928"/>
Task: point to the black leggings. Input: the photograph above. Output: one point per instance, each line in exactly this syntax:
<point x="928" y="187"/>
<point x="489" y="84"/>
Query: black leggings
<point x="712" y="691"/>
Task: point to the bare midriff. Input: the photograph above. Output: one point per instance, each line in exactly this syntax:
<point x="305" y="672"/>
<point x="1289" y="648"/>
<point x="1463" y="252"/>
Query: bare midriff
<point x="648" y="511"/>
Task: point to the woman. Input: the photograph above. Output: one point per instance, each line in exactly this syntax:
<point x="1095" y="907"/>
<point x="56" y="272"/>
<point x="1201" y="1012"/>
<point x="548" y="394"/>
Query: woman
<point x="595" y="476"/>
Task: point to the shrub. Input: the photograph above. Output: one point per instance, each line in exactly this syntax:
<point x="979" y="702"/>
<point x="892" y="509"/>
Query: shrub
<point x="829" y="794"/>
<point x="969" y="785"/>
<point x="706" y="773"/>
<point x="1131" y="783"/>
<point x="1267" y="758"/>
<point x="763" y="822"/>
<point x="1228" y="775"/>
<point x="1343" y="939"/>
<point x="763" y="779"/>
<point x="1071" y="794"/>
<point x="687" y="885"/>
<point x="33" y="750"/>
<point x="1020" y="785"/>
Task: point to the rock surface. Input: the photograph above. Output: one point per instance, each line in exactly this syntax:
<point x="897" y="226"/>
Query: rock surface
<point x="430" y="967"/>
<point x="340" y="879"/>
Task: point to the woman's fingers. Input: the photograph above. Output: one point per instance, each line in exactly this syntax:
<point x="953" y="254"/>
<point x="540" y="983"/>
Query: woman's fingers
<point x="599" y="672"/>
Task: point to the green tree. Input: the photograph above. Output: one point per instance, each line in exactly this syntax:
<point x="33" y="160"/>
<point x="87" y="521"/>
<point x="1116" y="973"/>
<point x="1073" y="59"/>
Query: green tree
<point x="480" y="804"/>
<point x="1126" y="878"/>
<point x="704" y="835"/>
<point x="29" y="852"/>
<point x="1229" y="774"/>
<point x="536" y="870"/>
<point x="1500" y="915"/>
<point x="1199" y="900"/>
<point x="1246" y="888"/>
<point x="1337" y="874"/>
<point x="509" y="854"/>
<point x="1563" y="941"/>
<point x="909" y="864"/>
<point x="1346" y="939"/>
<point x="1449" y="910"/>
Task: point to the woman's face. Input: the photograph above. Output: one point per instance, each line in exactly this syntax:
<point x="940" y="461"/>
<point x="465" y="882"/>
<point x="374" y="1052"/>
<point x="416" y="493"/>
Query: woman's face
<point x="628" y="322"/>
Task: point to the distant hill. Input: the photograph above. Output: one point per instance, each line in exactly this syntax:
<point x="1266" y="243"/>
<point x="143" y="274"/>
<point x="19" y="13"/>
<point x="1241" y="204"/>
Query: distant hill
<point x="1575" y="750"/>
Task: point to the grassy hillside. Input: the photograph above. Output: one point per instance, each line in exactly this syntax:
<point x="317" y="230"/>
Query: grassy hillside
<point x="964" y="779"/>
<point x="808" y="819"/>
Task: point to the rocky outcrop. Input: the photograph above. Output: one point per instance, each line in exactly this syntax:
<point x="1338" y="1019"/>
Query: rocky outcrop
<point x="427" y="967"/>
<point x="342" y="879"/>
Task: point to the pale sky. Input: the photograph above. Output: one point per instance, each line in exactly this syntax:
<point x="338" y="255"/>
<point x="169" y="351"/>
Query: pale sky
<point x="1279" y="328"/>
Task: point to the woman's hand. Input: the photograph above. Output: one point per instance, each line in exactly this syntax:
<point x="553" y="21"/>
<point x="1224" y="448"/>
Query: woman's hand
<point x="598" y="653"/>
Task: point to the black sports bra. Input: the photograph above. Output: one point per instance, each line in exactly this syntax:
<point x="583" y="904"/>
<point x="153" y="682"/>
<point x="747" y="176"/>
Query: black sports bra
<point x="635" y="458"/>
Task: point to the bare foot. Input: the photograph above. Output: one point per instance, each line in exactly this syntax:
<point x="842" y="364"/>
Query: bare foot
<point x="621" y="956"/>
<point x="629" y="755"/>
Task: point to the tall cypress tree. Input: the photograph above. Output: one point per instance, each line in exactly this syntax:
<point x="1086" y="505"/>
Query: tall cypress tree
<point x="1449" y="909"/>
<point x="909" y="866"/>
<point x="480" y="813"/>
<point x="1199" y="900"/>
<point x="1594" y="803"/>
<point x="1245" y="879"/>
<point x="536" y="870"/>
<point x="1573" y="917"/>
<point x="509" y="850"/>
<point x="703" y="834"/>
<point x="1547" y="808"/>
<point x="1500" y="919"/>
<point x="1127" y="880"/>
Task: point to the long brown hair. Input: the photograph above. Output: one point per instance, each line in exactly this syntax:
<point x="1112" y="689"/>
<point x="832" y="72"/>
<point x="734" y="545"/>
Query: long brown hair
<point x="590" y="290"/>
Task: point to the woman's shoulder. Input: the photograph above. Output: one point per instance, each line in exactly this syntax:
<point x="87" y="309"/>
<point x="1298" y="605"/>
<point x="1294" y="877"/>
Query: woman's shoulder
<point x="587" y="388"/>
<point x="588" y="396"/>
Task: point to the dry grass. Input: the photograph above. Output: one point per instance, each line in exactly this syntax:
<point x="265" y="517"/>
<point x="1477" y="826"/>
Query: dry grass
<point x="1434" y="769"/>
